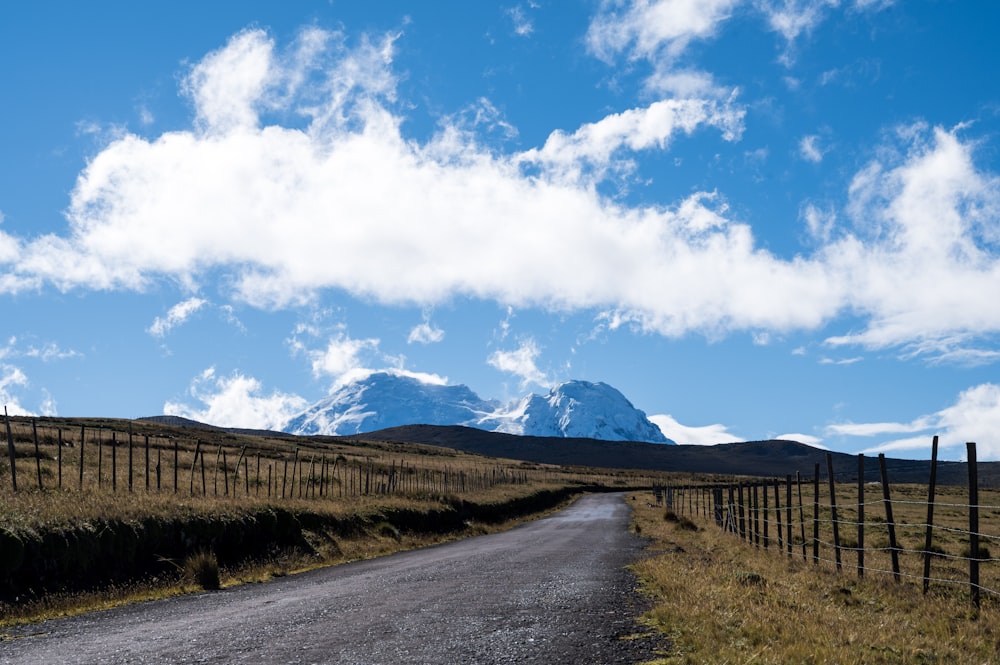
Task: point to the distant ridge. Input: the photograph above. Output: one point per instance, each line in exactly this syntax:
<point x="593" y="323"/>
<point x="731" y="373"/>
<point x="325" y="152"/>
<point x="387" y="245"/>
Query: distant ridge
<point x="774" y="458"/>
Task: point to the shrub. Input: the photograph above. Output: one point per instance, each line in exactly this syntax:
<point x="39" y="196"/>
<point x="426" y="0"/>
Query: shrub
<point x="387" y="530"/>
<point x="202" y="569"/>
<point x="685" y="524"/>
<point x="670" y="516"/>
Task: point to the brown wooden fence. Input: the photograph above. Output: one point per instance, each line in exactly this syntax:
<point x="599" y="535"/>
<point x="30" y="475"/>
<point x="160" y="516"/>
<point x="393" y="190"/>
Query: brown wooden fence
<point x="934" y="535"/>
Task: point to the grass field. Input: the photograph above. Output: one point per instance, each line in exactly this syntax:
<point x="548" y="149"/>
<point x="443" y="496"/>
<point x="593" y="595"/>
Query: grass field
<point x="719" y="599"/>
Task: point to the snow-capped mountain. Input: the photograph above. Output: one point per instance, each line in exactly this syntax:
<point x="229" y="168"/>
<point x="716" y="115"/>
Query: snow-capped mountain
<point x="384" y="399"/>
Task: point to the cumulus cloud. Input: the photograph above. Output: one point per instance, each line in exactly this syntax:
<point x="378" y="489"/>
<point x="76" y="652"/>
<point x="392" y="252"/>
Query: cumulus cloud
<point x="425" y="333"/>
<point x="236" y="400"/>
<point x="705" y="435"/>
<point x="344" y="200"/>
<point x="974" y="416"/>
<point x="521" y="362"/>
<point x="11" y="379"/>
<point x="592" y="147"/>
<point x="650" y="29"/>
<point x="176" y="316"/>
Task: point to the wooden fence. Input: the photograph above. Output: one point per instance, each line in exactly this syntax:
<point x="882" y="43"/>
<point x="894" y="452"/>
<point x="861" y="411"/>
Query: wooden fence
<point x="104" y="459"/>
<point x="943" y="539"/>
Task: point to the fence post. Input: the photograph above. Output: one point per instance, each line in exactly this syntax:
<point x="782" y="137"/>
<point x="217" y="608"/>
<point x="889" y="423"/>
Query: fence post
<point x="816" y="515"/>
<point x="890" y="523"/>
<point x="788" y="513"/>
<point x="756" y="515"/>
<point x="777" y="514"/>
<point x="973" y="523"/>
<point x="114" y="461"/>
<point x="802" y="515"/>
<point x="861" y="515"/>
<point x="763" y="489"/>
<point x="833" y="509"/>
<point x="145" y="443"/>
<point x="60" y="456"/>
<point x="100" y="457"/>
<point x="717" y="505"/>
<point x="928" y="541"/>
<point x="194" y="461"/>
<point x="177" y="457"/>
<point x="743" y="523"/>
<point x="130" y="457"/>
<point x="83" y="439"/>
<point x="11" y="451"/>
<point x="38" y="455"/>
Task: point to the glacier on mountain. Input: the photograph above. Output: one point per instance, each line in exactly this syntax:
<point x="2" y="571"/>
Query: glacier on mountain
<point x="386" y="399"/>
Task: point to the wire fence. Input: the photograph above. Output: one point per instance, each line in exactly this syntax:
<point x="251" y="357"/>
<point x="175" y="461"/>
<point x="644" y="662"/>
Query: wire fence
<point x="112" y="458"/>
<point x="937" y="536"/>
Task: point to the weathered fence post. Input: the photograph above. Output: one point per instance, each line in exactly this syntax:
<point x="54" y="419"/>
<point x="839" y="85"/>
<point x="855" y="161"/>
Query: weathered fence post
<point x="114" y="462"/>
<point x="743" y="523"/>
<point x="767" y="518"/>
<point x="973" y="523"/>
<point x="928" y="541"/>
<point x="890" y="523"/>
<point x="756" y="515"/>
<point x="194" y="461"/>
<point x="83" y="439"/>
<point x="802" y="515"/>
<point x="861" y="515"/>
<point x="816" y="515"/>
<point x="59" y="431"/>
<point x="38" y="455"/>
<point x="788" y="513"/>
<point x="100" y="457"/>
<point x="777" y="515"/>
<point x="145" y="443"/>
<point x="833" y="509"/>
<point x="177" y="458"/>
<point x="11" y="451"/>
<point x="130" y="457"/>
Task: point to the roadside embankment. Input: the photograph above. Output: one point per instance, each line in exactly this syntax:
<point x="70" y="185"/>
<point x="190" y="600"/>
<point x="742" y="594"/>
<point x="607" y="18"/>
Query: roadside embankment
<point x="95" y="553"/>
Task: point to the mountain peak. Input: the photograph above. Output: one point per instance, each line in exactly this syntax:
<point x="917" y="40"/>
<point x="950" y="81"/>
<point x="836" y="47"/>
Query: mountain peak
<point x="577" y="409"/>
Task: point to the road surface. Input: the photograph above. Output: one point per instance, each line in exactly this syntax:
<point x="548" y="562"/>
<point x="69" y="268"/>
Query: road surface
<point x="550" y="591"/>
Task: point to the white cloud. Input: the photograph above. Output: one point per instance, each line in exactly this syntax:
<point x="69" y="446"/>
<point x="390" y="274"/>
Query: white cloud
<point x="594" y="145"/>
<point x="975" y="416"/>
<point x="523" y="26"/>
<point x="840" y="361"/>
<point x="521" y="362"/>
<point x="807" y="439"/>
<point x="923" y="260"/>
<point x="653" y="29"/>
<point x="11" y="379"/>
<point x="705" y="435"/>
<point x="343" y="358"/>
<point x="425" y="333"/>
<point x="176" y="316"/>
<point x="809" y="149"/>
<point x="349" y="203"/>
<point x="236" y="401"/>
<point x="51" y="351"/>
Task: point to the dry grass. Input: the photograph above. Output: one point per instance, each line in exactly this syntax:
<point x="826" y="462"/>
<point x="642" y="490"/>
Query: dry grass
<point x="721" y="600"/>
<point x="327" y="477"/>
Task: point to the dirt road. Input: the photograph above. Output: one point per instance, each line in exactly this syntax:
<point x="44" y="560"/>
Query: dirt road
<point x="551" y="591"/>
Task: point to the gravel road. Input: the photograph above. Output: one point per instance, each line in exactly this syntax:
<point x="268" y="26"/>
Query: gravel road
<point x="550" y="591"/>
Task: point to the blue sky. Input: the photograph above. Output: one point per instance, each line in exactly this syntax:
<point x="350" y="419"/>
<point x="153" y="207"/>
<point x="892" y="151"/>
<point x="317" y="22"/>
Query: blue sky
<point x="754" y="218"/>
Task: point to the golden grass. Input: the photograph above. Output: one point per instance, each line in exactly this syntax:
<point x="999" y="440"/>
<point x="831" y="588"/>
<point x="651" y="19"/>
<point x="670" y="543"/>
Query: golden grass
<point x="720" y="600"/>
